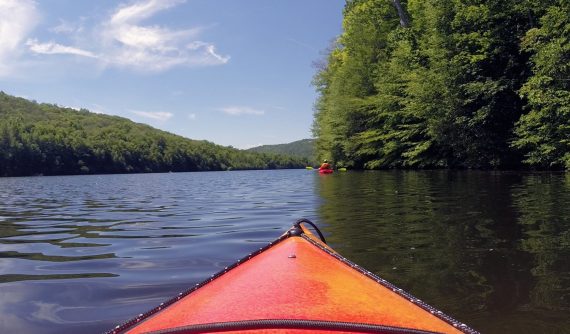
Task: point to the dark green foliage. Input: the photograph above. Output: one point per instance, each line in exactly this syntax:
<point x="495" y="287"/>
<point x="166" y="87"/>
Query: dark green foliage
<point x="50" y="140"/>
<point x="301" y="148"/>
<point x="445" y="90"/>
<point x="544" y="132"/>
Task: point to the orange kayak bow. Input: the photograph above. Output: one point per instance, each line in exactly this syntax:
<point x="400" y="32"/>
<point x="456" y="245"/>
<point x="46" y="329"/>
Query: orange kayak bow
<point x="296" y="284"/>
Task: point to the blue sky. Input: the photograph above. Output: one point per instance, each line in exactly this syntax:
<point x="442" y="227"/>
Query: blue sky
<point x="234" y="72"/>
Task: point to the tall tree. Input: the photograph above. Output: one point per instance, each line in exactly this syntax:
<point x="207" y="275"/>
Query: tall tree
<point x="543" y="134"/>
<point x="427" y="83"/>
<point x="349" y="77"/>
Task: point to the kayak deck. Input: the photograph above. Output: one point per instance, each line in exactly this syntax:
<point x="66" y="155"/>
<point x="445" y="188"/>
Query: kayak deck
<point x="296" y="278"/>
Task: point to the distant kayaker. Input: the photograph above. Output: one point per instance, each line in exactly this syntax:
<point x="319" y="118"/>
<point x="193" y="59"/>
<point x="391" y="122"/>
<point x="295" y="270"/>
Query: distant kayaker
<point x="326" y="165"/>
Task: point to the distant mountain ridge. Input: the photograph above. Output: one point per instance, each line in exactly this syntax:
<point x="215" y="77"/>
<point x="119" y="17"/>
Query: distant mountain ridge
<point x="46" y="139"/>
<point x="301" y="148"/>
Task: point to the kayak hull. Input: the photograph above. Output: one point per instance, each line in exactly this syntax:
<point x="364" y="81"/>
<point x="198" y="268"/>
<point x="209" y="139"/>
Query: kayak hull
<point x="295" y="278"/>
<point x="325" y="171"/>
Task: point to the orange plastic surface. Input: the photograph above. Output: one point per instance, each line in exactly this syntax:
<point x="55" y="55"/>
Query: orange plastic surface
<point x="312" y="285"/>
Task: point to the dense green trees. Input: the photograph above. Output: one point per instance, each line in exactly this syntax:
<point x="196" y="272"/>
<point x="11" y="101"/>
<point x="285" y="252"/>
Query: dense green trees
<point x="50" y="140"/>
<point x="461" y="84"/>
<point x="301" y="148"/>
<point x="544" y="132"/>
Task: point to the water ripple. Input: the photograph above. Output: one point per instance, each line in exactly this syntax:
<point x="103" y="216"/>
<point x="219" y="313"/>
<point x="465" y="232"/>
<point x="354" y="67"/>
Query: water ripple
<point x="122" y="237"/>
<point x="83" y="253"/>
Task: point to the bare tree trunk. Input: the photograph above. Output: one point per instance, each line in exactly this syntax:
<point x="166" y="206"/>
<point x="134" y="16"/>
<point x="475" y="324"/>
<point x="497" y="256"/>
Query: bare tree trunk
<point x="404" y="21"/>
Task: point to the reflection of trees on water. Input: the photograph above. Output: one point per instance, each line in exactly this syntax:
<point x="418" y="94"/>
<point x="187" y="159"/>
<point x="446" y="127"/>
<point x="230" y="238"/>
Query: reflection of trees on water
<point x="543" y="202"/>
<point x="459" y="240"/>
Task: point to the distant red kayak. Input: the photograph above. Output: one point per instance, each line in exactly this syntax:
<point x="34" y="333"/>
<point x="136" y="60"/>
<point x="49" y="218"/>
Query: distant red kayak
<point x="296" y="284"/>
<point x="325" y="171"/>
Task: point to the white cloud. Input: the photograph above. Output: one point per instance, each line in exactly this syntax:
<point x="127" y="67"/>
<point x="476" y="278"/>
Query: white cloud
<point x="157" y="115"/>
<point x="153" y="48"/>
<point x="55" y="48"/>
<point x="192" y="116"/>
<point x="153" y="38"/>
<point x="17" y="19"/>
<point x="236" y="111"/>
<point x="120" y="40"/>
<point x="142" y="10"/>
<point x="207" y="53"/>
<point x="71" y="107"/>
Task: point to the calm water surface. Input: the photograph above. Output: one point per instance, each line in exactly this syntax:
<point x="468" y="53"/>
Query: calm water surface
<point x="491" y="249"/>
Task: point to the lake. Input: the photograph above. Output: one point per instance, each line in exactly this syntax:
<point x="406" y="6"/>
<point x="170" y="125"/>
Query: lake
<point x="491" y="249"/>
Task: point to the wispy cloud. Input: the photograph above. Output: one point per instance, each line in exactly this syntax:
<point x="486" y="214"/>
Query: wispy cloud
<point x="71" y="107"/>
<point x="120" y="40"/>
<point x="238" y="110"/>
<point x="156" y="115"/>
<point x="192" y="116"/>
<point x="130" y="44"/>
<point x="141" y="10"/>
<point x="55" y="48"/>
<point x="17" y="19"/>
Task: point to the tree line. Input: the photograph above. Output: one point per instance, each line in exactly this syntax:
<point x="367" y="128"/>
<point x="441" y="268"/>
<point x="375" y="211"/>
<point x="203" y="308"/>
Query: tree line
<point x="45" y="139"/>
<point x="301" y="148"/>
<point x="447" y="84"/>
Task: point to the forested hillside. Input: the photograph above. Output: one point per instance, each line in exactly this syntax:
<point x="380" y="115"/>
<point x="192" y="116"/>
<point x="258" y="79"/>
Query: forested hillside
<point x="447" y="84"/>
<point x="50" y="140"/>
<point x="301" y="148"/>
